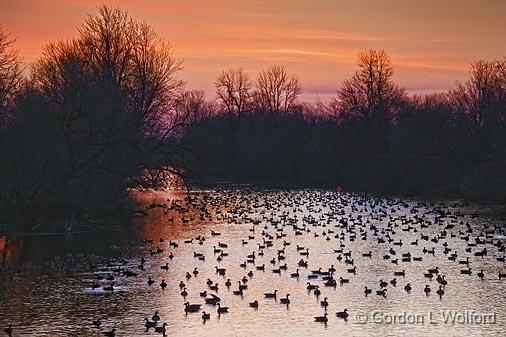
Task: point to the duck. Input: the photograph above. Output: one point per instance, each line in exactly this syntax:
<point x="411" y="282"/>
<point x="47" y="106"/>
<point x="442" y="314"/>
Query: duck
<point x="323" y="318"/>
<point x="285" y="300"/>
<point x="342" y="314"/>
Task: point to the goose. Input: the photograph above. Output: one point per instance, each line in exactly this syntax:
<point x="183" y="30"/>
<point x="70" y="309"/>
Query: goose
<point x="342" y="314"/>
<point x="238" y="292"/>
<point x="184" y="293"/>
<point x="181" y="285"/>
<point x="367" y="291"/>
<point x="149" y="324"/>
<point x="191" y="307"/>
<point x="382" y="292"/>
<point x="285" y="300"/>
<point x="8" y="330"/>
<point x="400" y="273"/>
<point x="150" y="281"/>
<point x="262" y="267"/>
<point x="163" y="284"/>
<point x="220" y="271"/>
<point x="228" y="283"/>
<point x="407" y="287"/>
<point x="343" y="280"/>
<point x="324" y="303"/>
<point x="466" y="271"/>
<point x="501" y="275"/>
<point x="156" y="317"/>
<point x="383" y="284"/>
<point x="213" y="300"/>
<point x="161" y="329"/>
<point x="242" y="286"/>
<point x="271" y="295"/>
<point x="254" y="304"/>
<point x="295" y="275"/>
<point x="165" y="267"/>
<point x="481" y="274"/>
<point x="205" y="316"/>
<point x="440" y="291"/>
<point x="111" y="333"/>
<point x="317" y="292"/>
<point x="321" y="318"/>
<point x="311" y="286"/>
<point x="222" y="309"/>
<point x="426" y="289"/>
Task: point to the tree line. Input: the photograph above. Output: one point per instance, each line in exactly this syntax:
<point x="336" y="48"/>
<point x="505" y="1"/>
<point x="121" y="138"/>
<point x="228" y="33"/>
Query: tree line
<point x="107" y="112"/>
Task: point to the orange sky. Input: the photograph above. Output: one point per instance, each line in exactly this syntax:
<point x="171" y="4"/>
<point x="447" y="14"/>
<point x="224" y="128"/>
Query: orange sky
<point x="431" y="42"/>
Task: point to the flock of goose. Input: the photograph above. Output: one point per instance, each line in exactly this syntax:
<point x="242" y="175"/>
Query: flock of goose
<point x="274" y="224"/>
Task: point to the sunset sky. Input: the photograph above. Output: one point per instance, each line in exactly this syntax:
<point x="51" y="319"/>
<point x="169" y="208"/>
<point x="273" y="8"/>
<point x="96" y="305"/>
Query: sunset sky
<point x="431" y="42"/>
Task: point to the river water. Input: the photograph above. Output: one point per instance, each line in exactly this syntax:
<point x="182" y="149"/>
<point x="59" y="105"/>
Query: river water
<point x="46" y="282"/>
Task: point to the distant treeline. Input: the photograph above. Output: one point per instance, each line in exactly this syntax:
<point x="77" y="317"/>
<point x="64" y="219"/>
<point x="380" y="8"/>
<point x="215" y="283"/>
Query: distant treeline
<point x="370" y="137"/>
<point x="106" y="112"/>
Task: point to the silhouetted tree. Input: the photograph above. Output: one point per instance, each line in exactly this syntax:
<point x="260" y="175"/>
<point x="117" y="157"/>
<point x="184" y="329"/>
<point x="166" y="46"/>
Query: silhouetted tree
<point x="276" y="90"/>
<point x="233" y="88"/>
<point x="10" y="72"/>
<point x="371" y="92"/>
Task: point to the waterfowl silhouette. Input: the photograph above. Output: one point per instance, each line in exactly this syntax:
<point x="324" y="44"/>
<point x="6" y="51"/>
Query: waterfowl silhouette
<point x="111" y="333"/>
<point x="342" y="314"/>
<point x="254" y="304"/>
<point x="161" y="329"/>
<point x="8" y="330"/>
<point x="323" y="318"/>
<point x="149" y="324"/>
<point x="271" y="295"/>
<point x="205" y="316"/>
<point x="221" y="309"/>
<point x="285" y="300"/>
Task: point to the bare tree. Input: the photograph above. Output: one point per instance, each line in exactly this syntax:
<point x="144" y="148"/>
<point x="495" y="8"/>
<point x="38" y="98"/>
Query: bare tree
<point x="11" y="70"/>
<point x="233" y="88"/>
<point x="371" y="92"/>
<point x="481" y="97"/>
<point x="276" y="90"/>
